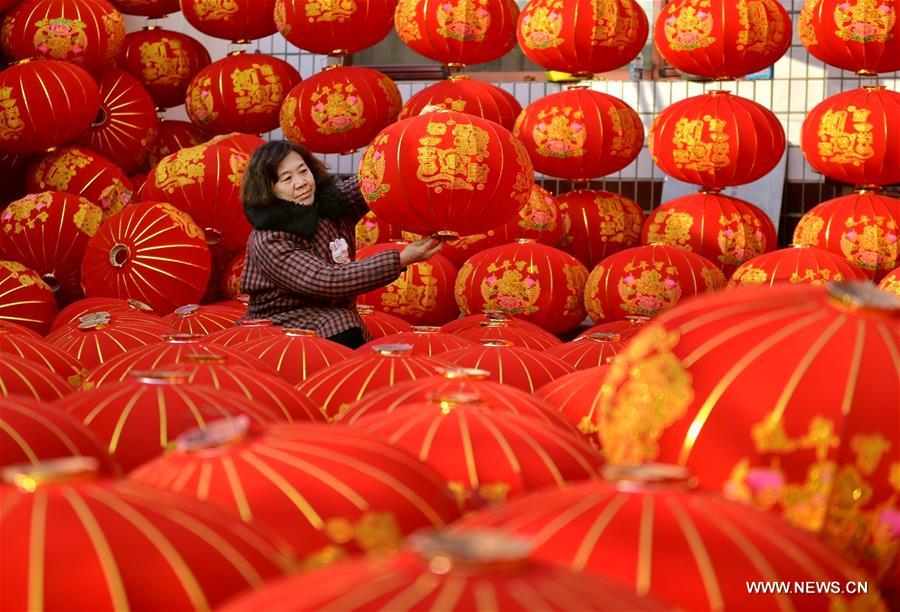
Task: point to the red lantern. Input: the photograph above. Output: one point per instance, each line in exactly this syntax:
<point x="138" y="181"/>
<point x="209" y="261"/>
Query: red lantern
<point x="234" y="271"/>
<point x="89" y="33"/>
<point x="49" y="232"/>
<point x="242" y="92"/>
<point x="851" y="136"/>
<point x="500" y="327"/>
<point x="580" y="134"/>
<point x="577" y="398"/>
<point x="174" y="136"/>
<point x="588" y="350"/>
<point x="541" y="284"/>
<point x="45" y="104"/>
<point x="238" y="141"/>
<point x="205" y="182"/>
<point x="722" y="39"/>
<point x="725" y="230"/>
<point x="784" y="396"/>
<point x="598" y="223"/>
<point x="582" y="37"/>
<point x="862" y="227"/>
<point x="470" y="174"/>
<point x="491" y="316"/>
<point x="891" y="282"/>
<point x="245" y="330"/>
<point x="855" y="35"/>
<point x="421" y="295"/>
<point x="85" y="173"/>
<point x="423" y="340"/>
<point x="309" y="480"/>
<point x="505" y="363"/>
<point x="380" y="324"/>
<point x="463" y="94"/>
<point x="469" y="32"/>
<point x="716" y="140"/>
<point x="293" y="354"/>
<point x="73" y="312"/>
<point x="239" y="21"/>
<point x="31" y="432"/>
<point x="646" y="281"/>
<point x="626" y="328"/>
<point x="164" y="62"/>
<point x="14" y="328"/>
<point x="204" y="320"/>
<point x="20" y="376"/>
<point x="43" y="353"/>
<point x="340" y="109"/>
<point x="660" y="527"/>
<point x="334" y="29"/>
<point x="135" y="546"/>
<point x="798" y="264"/>
<point x="27" y="300"/>
<point x="147" y="8"/>
<point x="336" y="387"/>
<point x="100" y="336"/>
<point x="149" y="251"/>
<point x="486" y="455"/>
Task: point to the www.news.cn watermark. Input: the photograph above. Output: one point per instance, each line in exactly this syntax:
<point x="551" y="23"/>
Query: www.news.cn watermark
<point x="807" y="587"/>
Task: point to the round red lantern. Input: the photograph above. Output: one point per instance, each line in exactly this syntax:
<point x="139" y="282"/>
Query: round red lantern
<point x="234" y="271"/>
<point x="45" y="104"/>
<point x="490" y="316"/>
<point x="854" y="35"/>
<point x="505" y="363"/>
<point x="782" y="397"/>
<point x="205" y="182"/>
<point x="716" y="139"/>
<point x="309" y="482"/>
<point x="203" y="320"/>
<point x="242" y="92"/>
<point x="727" y="231"/>
<point x="48" y="232"/>
<point x="577" y="397"/>
<point x="380" y="324"/>
<point x="626" y="328"/>
<point x="89" y="33"/>
<point x="422" y="339"/>
<point x="421" y="295"/>
<point x="851" y="136"/>
<point x="597" y="223"/>
<point x="497" y="326"/>
<point x="470" y="174"/>
<point x="147" y="8"/>
<point x="27" y="300"/>
<point x="99" y="336"/>
<point x="340" y="109"/>
<point x="464" y="94"/>
<point x="588" y="350"/>
<point x="582" y="36"/>
<point x="722" y="39"/>
<point x="458" y="34"/>
<point x="135" y="309"/>
<point x="83" y="172"/>
<point x="164" y="62"/>
<point x="43" y="353"/>
<point x="238" y="141"/>
<point x="891" y="282"/>
<point x="24" y="377"/>
<point x="647" y="280"/>
<point x="861" y="227"/>
<point x="174" y="136"/>
<point x="239" y="21"/>
<point x="541" y="284"/>
<point x="245" y="330"/>
<point x="798" y="264"/>
<point x="579" y="134"/>
<point x="293" y="354"/>
<point x="334" y="29"/>
<point x="9" y="327"/>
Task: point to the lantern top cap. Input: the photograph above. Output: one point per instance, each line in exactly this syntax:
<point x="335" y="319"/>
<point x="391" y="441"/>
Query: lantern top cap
<point x="603" y="337"/>
<point x="68" y="470"/>
<point x="637" y="319"/>
<point x="464" y="373"/>
<point x="450" y="399"/>
<point x="94" y="320"/>
<point x="479" y="548"/>
<point x="496" y="342"/>
<point x="365" y="309"/>
<point x="139" y="305"/>
<point x="255" y="323"/>
<point x="205" y="359"/>
<point x="636" y="478"/>
<point x="215" y="435"/>
<point x="863" y="296"/>
<point x="160" y="377"/>
<point x="393" y="350"/>
<point x="299" y="332"/>
<point x="183" y="338"/>
<point x="187" y="310"/>
<point x="426" y="329"/>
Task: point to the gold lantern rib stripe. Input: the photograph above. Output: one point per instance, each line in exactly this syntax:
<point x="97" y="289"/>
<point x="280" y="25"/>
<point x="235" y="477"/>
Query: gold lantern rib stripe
<point x="79" y="344"/>
<point x="239" y="379"/>
<point x="26" y="371"/>
<point x="38" y="352"/>
<point x="22" y="441"/>
<point x="571" y="386"/>
<point x="119" y="128"/>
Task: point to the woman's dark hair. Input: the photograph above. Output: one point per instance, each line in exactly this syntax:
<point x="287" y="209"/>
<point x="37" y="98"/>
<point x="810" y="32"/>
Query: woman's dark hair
<point x="262" y="171"/>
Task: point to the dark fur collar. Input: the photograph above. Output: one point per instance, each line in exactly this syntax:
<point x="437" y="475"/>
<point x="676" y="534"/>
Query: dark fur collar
<point x="283" y="216"/>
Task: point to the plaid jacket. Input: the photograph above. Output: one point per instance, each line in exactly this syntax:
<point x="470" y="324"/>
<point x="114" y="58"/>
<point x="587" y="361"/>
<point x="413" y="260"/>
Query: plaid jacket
<point x="295" y="282"/>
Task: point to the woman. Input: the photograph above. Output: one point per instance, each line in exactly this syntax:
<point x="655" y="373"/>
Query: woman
<point x="300" y="270"/>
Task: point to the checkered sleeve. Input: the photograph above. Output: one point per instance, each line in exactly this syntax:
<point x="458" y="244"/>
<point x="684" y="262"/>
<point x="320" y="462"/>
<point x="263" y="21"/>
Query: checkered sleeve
<point x="298" y="271"/>
<point x="356" y="203"/>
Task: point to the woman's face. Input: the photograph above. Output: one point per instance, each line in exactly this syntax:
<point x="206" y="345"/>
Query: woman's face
<point x="295" y="181"/>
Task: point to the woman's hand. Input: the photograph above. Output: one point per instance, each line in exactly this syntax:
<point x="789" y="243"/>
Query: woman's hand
<point x="420" y="250"/>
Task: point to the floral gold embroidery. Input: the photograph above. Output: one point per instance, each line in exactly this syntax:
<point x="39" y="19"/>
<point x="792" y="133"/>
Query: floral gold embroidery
<point x="864" y="21"/>
<point x="671" y="227"/>
<point x="469" y="20"/>
<point x="560" y="132"/>
<point x="179" y="169"/>
<point x="414" y="293"/>
<point x="740" y="238"/>
<point x="257" y="89"/>
<point x="649" y="288"/>
<point x="200" y="103"/>
<point x="513" y="287"/>
<point x="166" y="62"/>
<point x="215" y="10"/>
<point x="182" y="220"/>
<point x="60" y="38"/>
<point x="458" y="164"/>
<point x="808" y="230"/>
<point x="329" y="10"/>
<point x="693" y="152"/>
<point x="870" y="243"/>
<point x="337" y="109"/>
<point x="372" y="169"/>
<point x="691" y="28"/>
<point x="88" y="217"/>
<point x="405" y="20"/>
<point x="837" y="144"/>
<point x="542" y="24"/>
<point x="10" y="117"/>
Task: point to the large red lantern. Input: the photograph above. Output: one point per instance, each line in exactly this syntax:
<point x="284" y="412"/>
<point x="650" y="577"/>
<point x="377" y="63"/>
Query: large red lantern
<point x="463" y="94"/>
<point x="588" y="350"/>
<point x="147" y="8"/>
<point x="497" y="326"/>
<point x="239" y="21"/>
<point x="422" y="339"/>
<point x="231" y="278"/>
<point x="340" y="109"/>
<point x="99" y="336"/>
<point x="582" y="36"/>
<point x="855" y="35"/>
<point x="852" y="136"/>
<point x="202" y="320"/>
<point x="83" y="172"/>
<point x="716" y="139"/>
<point x="469" y="174"/>
<point x="727" y="231"/>
<point x="45" y="104"/>
<point x="173" y="136"/>
<point x="533" y="281"/>
<point x="577" y="398"/>
<point x="49" y="232"/>
<point x="784" y="397"/>
<point x="294" y="354"/>
<point x="242" y="92"/>
<point x="505" y="363"/>
<point x="797" y="264"/>
<point x="334" y="28"/>
<point x="580" y="134"/>
<point x="245" y="330"/>
<point x="722" y="39"/>
<point x="597" y="223"/>
<point x="27" y="300"/>
<point x="150" y="251"/>
<point x="132" y="309"/>
<point x="458" y="34"/>
<point x="20" y="376"/>
<point x="164" y="62"/>
<point x="380" y="324"/>
<point x="43" y="353"/>
<point x="89" y="33"/>
<point x="647" y="280"/>
<point x="862" y="227"/>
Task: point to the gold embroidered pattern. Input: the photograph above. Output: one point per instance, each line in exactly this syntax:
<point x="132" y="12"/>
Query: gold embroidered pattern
<point x="166" y="62"/>
<point x="457" y="164"/>
<point x="560" y="132"/>
<point x="88" y="217"/>
<point x="671" y="227"/>
<point x="57" y="171"/>
<point x="513" y="287"/>
<point x="182" y="220"/>
<point x="629" y="134"/>
<point x="891" y="284"/>
<point x="114" y="26"/>
<point x="215" y="10"/>
<point x="257" y="89"/>
<point x="816" y="278"/>
<point x="870" y="243"/>
<point x="367" y="231"/>
<point x="837" y="145"/>
<point x="60" y="38"/>
<point x="542" y="25"/>
<point x="329" y="10"/>
<point x="748" y="275"/>
<point x="805" y="28"/>
<point x="576" y="279"/>
<point x="693" y="152"/>
<point x="25" y="276"/>
<point x="740" y="238"/>
<point x="614" y="28"/>
<point x="539" y="213"/>
<point x="405" y="20"/>
<point x="592" y="301"/>
<point x="808" y="230"/>
<point x="414" y="293"/>
<point x="337" y="109"/>
<point x="713" y="278"/>
<point x="395" y="100"/>
<point x="758" y="32"/>
<point x="459" y="287"/>
<point x="10" y="118"/>
<point x="237" y="162"/>
<point x="649" y="287"/>
<point x="26" y="213"/>
<point x="200" y="103"/>
<point x="864" y="21"/>
<point x="691" y="28"/>
<point x="372" y="169"/>
<point x="468" y="21"/>
<point x="185" y="167"/>
<point x="114" y="198"/>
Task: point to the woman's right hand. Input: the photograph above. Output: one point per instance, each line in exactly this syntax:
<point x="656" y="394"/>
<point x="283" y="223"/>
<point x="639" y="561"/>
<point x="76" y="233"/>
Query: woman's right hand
<point x="420" y="250"/>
